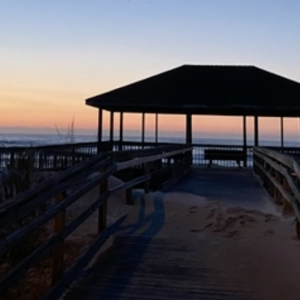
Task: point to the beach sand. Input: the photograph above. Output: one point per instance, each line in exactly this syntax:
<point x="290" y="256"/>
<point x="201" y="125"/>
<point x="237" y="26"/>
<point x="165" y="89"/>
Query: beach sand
<point x="257" y="246"/>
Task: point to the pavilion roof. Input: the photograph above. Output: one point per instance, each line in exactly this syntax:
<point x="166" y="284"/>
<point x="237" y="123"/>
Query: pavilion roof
<point x="216" y="90"/>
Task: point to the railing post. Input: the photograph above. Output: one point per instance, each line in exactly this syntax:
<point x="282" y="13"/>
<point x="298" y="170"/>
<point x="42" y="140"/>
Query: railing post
<point x="102" y="212"/>
<point x="58" y="250"/>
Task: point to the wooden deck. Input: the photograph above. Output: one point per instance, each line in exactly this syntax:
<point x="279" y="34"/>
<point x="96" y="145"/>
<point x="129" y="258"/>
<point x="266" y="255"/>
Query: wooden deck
<point x="147" y="261"/>
<point x="156" y="269"/>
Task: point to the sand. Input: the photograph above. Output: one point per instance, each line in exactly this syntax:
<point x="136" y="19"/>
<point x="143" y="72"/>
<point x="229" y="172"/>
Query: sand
<point x="258" y="246"/>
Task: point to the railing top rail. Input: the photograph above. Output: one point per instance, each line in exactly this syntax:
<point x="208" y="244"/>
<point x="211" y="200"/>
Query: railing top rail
<point x="138" y="161"/>
<point x="284" y="159"/>
<point x="14" y="209"/>
<point x="45" y="147"/>
<point x="106" y="165"/>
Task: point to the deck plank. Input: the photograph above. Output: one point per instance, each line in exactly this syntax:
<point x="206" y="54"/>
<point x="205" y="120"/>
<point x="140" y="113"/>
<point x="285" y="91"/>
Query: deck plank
<point x="161" y="266"/>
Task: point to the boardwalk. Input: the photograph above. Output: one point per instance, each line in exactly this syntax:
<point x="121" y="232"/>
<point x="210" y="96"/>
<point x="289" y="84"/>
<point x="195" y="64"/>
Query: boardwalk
<point x="151" y="260"/>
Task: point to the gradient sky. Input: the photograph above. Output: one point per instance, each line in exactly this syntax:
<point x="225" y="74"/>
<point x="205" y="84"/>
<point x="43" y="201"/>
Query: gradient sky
<point x="54" y="54"/>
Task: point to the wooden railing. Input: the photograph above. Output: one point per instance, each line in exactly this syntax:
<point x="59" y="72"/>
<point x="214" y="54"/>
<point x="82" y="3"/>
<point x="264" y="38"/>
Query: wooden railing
<point x="60" y="157"/>
<point x="55" y="188"/>
<point x="51" y="157"/>
<point x="280" y="174"/>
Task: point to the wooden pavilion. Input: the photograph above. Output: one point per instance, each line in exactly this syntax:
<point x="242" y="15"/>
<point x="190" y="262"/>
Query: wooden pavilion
<point x="203" y="90"/>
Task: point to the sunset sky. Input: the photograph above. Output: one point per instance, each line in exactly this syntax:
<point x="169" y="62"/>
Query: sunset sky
<point x="55" y="54"/>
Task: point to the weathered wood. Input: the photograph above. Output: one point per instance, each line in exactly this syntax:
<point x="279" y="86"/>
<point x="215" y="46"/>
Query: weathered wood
<point x="296" y="169"/>
<point x="295" y="200"/>
<point x="278" y="186"/>
<point x="61" y="232"/>
<point x="130" y="185"/>
<point x="20" y="206"/>
<point x="282" y="158"/>
<point x="52" y="211"/>
<point x="58" y="250"/>
<point x="57" y="291"/>
<point x="134" y="162"/>
<point x="18" y="272"/>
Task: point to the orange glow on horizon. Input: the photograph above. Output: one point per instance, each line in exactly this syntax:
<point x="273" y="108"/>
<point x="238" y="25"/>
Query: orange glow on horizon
<point x="48" y="109"/>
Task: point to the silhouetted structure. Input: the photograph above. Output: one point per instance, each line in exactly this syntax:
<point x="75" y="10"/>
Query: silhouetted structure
<point x="204" y="90"/>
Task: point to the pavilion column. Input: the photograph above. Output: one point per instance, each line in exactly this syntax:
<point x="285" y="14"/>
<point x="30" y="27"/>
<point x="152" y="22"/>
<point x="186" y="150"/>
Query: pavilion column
<point x="111" y="135"/>
<point x="121" y="132"/>
<point x="256" y="131"/>
<point x="100" y="121"/>
<point x="156" y="128"/>
<point x="143" y="129"/>
<point x="188" y="134"/>
<point x="281" y="132"/>
<point x="245" y="140"/>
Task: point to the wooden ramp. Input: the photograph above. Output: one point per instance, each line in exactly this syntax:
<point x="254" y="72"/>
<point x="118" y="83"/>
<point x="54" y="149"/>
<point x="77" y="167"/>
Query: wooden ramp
<point x="236" y="187"/>
<point x="145" y="268"/>
<point x="149" y="262"/>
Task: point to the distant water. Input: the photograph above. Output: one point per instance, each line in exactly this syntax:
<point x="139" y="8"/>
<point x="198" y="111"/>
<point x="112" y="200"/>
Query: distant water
<point x="30" y="140"/>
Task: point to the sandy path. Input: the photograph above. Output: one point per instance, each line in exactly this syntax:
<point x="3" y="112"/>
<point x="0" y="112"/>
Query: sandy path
<point x="257" y="246"/>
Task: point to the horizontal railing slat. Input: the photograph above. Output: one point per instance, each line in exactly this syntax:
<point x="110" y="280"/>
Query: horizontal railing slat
<point x="52" y="211"/>
<point x="20" y="206"/>
<point x="58" y="290"/>
<point x="28" y="201"/>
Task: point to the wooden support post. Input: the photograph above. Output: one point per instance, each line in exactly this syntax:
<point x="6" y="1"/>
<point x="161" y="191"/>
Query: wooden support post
<point x="143" y="129"/>
<point x="147" y="170"/>
<point x="281" y="133"/>
<point x="189" y="137"/>
<point x="102" y="212"/>
<point x="297" y="228"/>
<point x="100" y="122"/>
<point x="245" y="140"/>
<point x="111" y="135"/>
<point x="58" y="250"/>
<point x="256" y="142"/>
<point x="128" y="192"/>
<point x="121" y="132"/>
<point x="156" y="128"/>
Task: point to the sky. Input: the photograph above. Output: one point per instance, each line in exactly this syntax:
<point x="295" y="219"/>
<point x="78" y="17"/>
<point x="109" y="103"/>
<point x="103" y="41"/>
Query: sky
<point x="55" y="54"/>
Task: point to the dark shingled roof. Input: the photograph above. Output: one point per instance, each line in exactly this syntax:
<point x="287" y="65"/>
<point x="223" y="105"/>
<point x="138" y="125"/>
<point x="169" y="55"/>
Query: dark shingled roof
<point x="219" y="90"/>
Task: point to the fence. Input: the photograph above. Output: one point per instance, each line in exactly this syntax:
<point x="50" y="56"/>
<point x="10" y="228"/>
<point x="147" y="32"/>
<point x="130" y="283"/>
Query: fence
<point x="104" y="165"/>
<point x="280" y="174"/>
<point x="60" y="157"/>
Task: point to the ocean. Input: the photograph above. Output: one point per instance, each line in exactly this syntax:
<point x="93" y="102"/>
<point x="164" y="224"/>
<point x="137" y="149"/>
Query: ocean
<point x="31" y="140"/>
